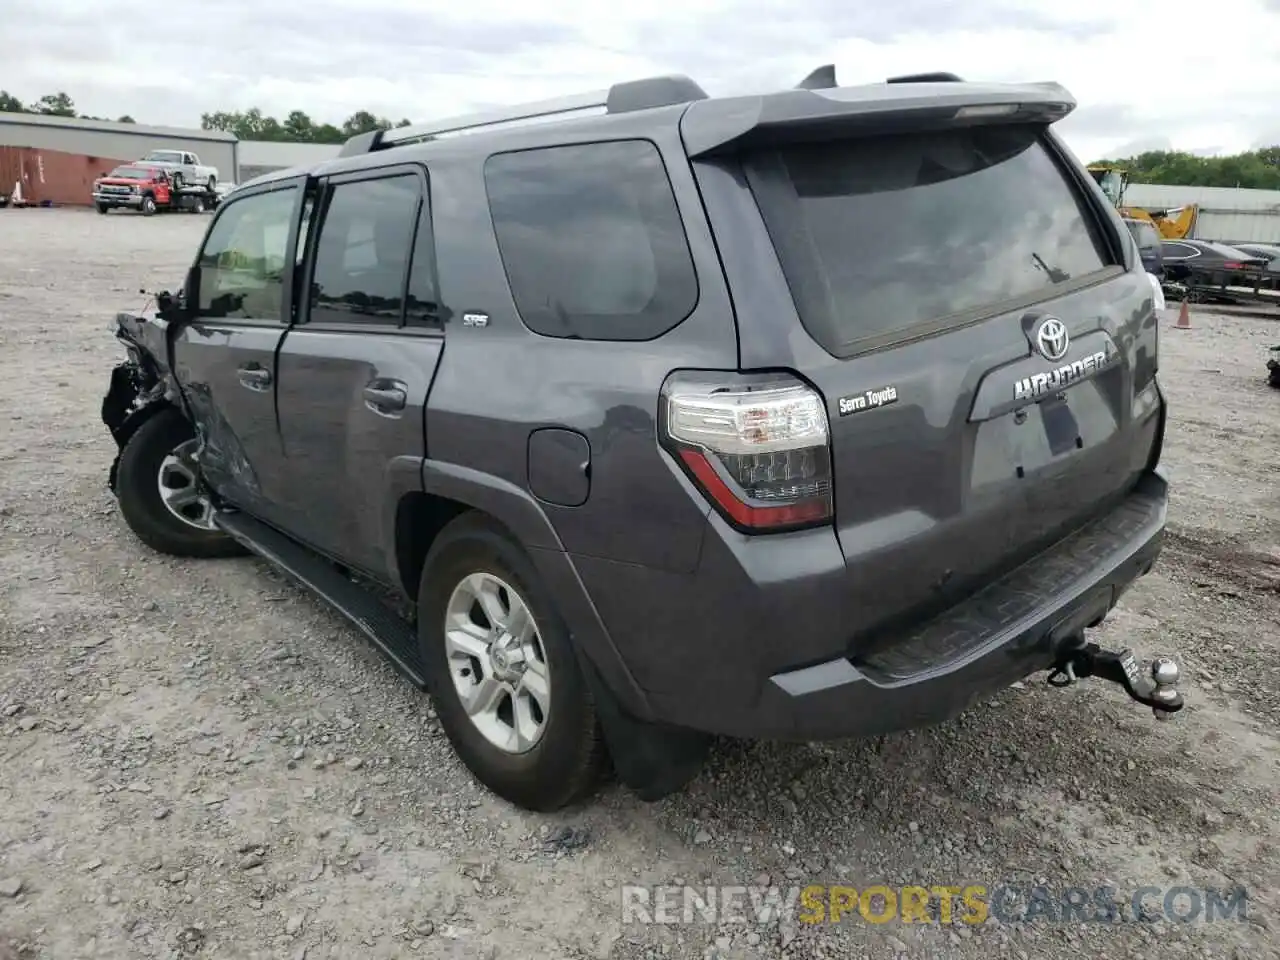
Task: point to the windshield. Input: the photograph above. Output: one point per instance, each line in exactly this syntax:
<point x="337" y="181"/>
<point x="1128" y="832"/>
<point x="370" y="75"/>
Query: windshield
<point x="880" y="238"/>
<point x="1144" y="233"/>
<point x="133" y="173"/>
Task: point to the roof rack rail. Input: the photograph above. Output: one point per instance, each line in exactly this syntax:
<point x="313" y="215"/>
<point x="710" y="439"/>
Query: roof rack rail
<point x="623" y="97"/>
<point x="823" y="78"/>
<point x="938" y="76"/>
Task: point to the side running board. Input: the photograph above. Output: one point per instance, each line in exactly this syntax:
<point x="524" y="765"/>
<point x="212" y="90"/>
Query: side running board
<point x="389" y="632"/>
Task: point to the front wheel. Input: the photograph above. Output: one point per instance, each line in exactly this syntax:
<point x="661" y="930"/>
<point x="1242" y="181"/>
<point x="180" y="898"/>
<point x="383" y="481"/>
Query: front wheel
<point x="160" y="496"/>
<point x="148" y="206"/>
<point x="506" y="682"/>
<point x="103" y="208"/>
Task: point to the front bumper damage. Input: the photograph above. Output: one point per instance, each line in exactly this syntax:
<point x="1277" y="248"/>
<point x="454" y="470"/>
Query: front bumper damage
<point x="139" y="385"/>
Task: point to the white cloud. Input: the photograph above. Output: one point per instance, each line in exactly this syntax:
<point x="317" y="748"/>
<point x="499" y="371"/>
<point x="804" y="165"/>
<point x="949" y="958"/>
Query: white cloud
<point x="428" y="58"/>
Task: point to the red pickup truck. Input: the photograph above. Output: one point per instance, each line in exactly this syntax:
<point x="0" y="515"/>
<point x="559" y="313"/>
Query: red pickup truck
<point x="146" y="189"/>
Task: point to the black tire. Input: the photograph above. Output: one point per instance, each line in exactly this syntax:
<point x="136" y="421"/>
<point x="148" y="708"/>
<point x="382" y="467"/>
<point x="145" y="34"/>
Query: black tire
<point x="197" y="205"/>
<point x="148" y="206"/>
<point x="138" y="490"/>
<point x="567" y="762"/>
<point x="103" y="208"/>
<point x="176" y="181"/>
<point x="212" y="184"/>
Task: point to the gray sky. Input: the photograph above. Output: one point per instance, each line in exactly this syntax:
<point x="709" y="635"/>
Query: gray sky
<point x="428" y="58"/>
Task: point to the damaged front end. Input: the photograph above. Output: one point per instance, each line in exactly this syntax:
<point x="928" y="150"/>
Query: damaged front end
<point x="141" y="385"/>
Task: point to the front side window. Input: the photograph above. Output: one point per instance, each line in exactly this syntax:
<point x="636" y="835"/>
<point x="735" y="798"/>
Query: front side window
<point x="592" y="240"/>
<point x="242" y="265"/>
<point x="363" y="251"/>
<point x="890" y="237"/>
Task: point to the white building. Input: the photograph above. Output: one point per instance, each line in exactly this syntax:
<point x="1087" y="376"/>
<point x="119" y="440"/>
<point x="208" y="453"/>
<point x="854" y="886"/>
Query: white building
<point x="259" y="156"/>
<point x="1226" y="213"/>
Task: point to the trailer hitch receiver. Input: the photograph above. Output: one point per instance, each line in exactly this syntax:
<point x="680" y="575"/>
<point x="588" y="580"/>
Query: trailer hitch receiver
<point x="1155" y="687"/>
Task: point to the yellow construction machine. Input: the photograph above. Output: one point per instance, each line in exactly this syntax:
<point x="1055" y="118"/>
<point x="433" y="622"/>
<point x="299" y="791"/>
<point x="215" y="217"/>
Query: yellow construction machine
<point x="1173" y="224"/>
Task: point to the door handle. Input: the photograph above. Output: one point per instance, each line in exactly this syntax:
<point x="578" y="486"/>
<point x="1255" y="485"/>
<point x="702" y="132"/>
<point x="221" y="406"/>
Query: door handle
<point x="254" y="377"/>
<point x="383" y="396"/>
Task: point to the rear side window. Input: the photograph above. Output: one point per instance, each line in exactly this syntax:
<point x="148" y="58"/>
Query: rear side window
<point x="1178" y="251"/>
<point x="363" y="251"/>
<point x="888" y="238"/>
<point x="592" y="240"/>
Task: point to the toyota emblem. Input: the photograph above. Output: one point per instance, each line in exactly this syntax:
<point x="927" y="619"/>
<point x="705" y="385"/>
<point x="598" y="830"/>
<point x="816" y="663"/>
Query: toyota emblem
<point x="1052" y="339"/>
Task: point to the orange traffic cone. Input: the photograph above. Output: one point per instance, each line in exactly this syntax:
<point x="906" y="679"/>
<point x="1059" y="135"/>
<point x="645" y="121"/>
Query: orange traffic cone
<point x="1184" y="317"/>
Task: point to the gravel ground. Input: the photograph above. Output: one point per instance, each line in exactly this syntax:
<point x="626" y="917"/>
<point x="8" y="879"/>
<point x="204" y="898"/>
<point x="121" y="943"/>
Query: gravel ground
<point x="200" y="759"/>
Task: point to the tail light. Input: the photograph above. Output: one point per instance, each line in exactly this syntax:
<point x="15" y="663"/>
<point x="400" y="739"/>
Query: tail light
<point x="1233" y="265"/>
<point x="756" y="446"/>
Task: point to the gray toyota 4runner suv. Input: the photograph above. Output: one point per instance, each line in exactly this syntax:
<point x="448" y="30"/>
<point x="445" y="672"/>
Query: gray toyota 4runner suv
<point x="805" y="415"/>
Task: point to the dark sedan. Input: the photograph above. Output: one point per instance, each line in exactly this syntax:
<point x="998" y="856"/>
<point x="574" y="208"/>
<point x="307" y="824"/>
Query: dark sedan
<point x="1268" y="251"/>
<point x="1209" y="262"/>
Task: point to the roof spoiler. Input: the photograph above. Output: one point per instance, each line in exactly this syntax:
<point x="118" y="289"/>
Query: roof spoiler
<point x="720" y="126"/>
<point x="624" y="97"/>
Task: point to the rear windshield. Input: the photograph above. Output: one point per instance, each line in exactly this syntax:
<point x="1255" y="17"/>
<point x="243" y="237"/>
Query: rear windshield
<point x="893" y="237"/>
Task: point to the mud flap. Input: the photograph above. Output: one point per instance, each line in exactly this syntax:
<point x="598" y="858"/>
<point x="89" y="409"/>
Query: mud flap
<point x="652" y="761"/>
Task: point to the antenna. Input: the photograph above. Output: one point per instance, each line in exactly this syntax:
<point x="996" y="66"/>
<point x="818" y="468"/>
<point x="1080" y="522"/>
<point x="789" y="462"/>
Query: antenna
<point x="823" y="78"/>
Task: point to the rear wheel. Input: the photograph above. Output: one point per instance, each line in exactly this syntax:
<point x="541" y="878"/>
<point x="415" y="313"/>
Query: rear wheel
<point x="160" y="497"/>
<point x="503" y="672"/>
<point x="176" y="180"/>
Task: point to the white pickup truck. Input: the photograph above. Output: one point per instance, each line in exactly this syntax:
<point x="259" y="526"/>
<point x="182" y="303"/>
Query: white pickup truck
<point x="185" y="168"/>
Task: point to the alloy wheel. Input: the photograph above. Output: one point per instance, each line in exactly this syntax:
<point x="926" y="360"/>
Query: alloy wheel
<point x="497" y="662"/>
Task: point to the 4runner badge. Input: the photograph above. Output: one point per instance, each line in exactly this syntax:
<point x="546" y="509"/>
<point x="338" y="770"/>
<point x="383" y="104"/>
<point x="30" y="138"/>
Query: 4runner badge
<point x="869" y="400"/>
<point x="1055" y="381"/>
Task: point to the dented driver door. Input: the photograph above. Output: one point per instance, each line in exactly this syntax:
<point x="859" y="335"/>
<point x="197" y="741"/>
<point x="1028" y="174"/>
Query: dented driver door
<point x="225" y="357"/>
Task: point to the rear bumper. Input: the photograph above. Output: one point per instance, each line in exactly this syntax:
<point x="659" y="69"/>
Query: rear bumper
<point x="1011" y="629"/>
<point x="742" y="670"/>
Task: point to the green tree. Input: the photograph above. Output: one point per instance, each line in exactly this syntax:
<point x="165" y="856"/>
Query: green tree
<point x="251" y="124"/>
<point x="55" y="105"/>
<point x="1256" y="169"/>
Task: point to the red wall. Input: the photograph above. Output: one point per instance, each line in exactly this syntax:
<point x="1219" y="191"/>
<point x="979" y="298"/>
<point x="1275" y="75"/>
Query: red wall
<point x="51" y="175"/>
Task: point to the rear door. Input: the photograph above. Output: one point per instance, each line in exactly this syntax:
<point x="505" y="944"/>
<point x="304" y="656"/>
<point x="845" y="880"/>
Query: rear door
<point x="980" y="345"/>
<point x="356" y="368"/>
<point x="225" y="358"/>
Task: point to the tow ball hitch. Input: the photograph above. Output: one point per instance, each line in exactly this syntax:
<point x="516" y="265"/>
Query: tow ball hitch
<point x="1156" y="687"/>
